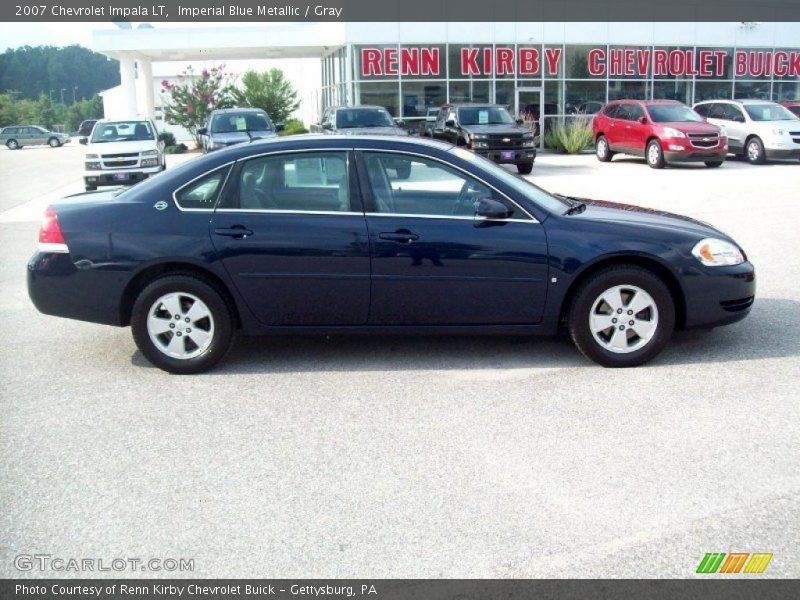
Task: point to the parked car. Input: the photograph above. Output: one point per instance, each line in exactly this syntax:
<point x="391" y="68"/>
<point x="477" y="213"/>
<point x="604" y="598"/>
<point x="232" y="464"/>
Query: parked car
<point x="85" y="128"/>
<point x="354" y="120"/>
<point x="17" y="136"/>
<point x="229" y="126"/>
<point x="662" y="131"/>
<point x="757" y="129"/>
<point x="430" y="121"/>
<point x="316" y="234"/>
<point x="488" y="130"/>
<point x="121" y="152"/>
<point x="793" y="107"/>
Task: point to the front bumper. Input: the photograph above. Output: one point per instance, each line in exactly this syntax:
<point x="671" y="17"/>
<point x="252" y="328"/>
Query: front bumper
<point x="509" y="156"/>
<point x="782" y="153"/>
<point x="719" y="295"/>
<point x="121" y="177"/>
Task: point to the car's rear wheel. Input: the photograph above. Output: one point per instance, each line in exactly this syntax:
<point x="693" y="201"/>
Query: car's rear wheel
<point x="525" y="168"/>
<point x="13" y="145"/>
<point x="622" y="316"/>
<point x="713" y="164"/>
<point x="602" y="149"/>
<point x="182" y="324"/>
<point x="655" y="155"/>
<point x="754" y="151"/>
<point x="53" y="142"/>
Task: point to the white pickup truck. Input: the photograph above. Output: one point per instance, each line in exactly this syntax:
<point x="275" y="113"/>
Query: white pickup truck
<point x="121" y="152"/>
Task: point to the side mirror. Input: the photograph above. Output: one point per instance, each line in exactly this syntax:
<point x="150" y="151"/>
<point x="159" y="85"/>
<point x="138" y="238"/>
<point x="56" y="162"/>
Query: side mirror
<point x="450" y="123"/>
<point x="83" y="141"/>
<point x="400" y="123"/>
<point x="279" y="127"/>
<point x="202" y="131"/>
<point x="491" y="209"/>
<point x="643" y="120"/>
<point x="520" y="121"/>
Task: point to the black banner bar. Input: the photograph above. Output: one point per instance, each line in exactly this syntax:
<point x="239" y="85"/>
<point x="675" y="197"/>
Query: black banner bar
<point x="710" y="588"/>
<point x="400" y="10"/>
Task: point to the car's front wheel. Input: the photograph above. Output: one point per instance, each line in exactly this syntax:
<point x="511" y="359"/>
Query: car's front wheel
<point x="53" y="142"/>
<point x="13" y="145"/>
<point x="525" y="168"/>
<point x="182" y="324"/>
<point x="655" y="155"/>
<point x="754" y="151"/>
<point x="622" y="316"/>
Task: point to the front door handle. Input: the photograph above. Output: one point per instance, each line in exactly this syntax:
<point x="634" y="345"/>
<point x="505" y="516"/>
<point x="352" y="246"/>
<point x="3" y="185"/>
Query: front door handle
<point x="403" y="236"/>
<point x="238" y="232"/>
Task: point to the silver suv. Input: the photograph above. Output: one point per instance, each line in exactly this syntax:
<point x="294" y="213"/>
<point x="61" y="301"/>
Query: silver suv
<point x="757" y="129"/>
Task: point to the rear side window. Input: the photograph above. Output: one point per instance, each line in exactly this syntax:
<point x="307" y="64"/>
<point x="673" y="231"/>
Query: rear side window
<point x="611" y="111"/>
<point x="702" y="109"/>
<point x="202" y="193"/>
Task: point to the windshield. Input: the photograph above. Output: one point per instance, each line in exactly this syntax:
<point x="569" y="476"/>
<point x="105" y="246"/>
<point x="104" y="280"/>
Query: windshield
<point x="363" y="117"/>
<point x="241" y="121"/>
<point x="769" y="112"/>
<point x="533" y="192"/>
<point x="484" y="115"/>
<point x="673" y="114"/>
<point x="123" y="131"/>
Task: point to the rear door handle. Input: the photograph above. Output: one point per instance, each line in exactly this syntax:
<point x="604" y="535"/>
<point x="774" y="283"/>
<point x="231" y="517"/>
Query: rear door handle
<point x="402" y="236"/>
<point x="236" y="231"/>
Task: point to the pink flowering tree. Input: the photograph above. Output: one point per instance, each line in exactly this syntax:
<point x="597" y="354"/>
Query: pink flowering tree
<point x="191" y="99"/>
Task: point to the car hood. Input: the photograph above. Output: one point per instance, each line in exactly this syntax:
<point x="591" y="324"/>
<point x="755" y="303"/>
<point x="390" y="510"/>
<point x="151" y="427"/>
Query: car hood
<point x="121" y="147"/>
<point x="602" y="210"/>
<point x="372" y="131"/>
<point x="496" y="129"/>
<point x="236" y="137"/>
<point x="691" y="126"/>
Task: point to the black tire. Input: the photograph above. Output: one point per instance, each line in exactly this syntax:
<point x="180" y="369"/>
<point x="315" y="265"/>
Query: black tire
<point x="90" y="188"/>
<point x="585" y="297"/>
<point x="221" y="313"/>
<point x="713" y="164"/>
<point x="13" y="145"/>
<point x="654" y="155"/>
<point x="754" y="151"/>
<point x="53" y="142"/>
<point x="602" y="150"/>
<point x="525" y="168"/>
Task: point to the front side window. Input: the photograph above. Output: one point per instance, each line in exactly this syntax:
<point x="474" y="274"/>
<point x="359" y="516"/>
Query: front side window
<point x="294" y="182"/>
<point x="412" y="185"/>
<point x="123" y="131"/>
<point x="673" y="114"/>
<point x="484" y="115"/>
<point x="201" y="194"/>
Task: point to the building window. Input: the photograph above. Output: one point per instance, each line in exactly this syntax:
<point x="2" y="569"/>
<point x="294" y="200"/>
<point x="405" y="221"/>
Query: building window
<point x="751" y="89"/>
<point x="675" y="89"/>
<point x="622" y="89"/>
<point x="713" y="90"/>
<point x="469" y="61"/>
<point x="419" y="96"/>
<point x="504" y="92"/>
<point x="382" y="93"/>
<point x="469" y="91"/>
<point x="786" y="90"/>
<point x="585" y="96"/>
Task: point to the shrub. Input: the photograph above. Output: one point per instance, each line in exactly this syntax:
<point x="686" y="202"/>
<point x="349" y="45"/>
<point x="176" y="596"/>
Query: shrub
<point x="293" y="127"/>
<point x="167" y="137"/>
<point x="175" y="149"/>
<point x="551" y="139"/>
<point x="575" y="135"/>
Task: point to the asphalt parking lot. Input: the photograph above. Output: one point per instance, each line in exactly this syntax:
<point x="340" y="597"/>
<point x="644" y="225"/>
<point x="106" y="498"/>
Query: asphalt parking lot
<point x="413" y="457"/>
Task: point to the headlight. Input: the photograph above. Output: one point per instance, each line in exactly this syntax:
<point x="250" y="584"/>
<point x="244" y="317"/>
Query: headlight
<point x="717" y="253"/>
<point x="479" y="136"/>
<point x="673" y="133"/>
<point x="90" y="156"/>
<point x="723" y="132"/>
<point x="480" y="145"/>
<point x="92" y="166"/>
<point x="149" y="162"/>
<point x="778" y="131"/>
<point x="149" y="153"/>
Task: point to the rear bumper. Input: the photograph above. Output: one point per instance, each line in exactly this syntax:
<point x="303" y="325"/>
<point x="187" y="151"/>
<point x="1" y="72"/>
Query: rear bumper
<point x="57" y="287"/>
<point x="521" y="156"/>
<point x="719" y="295"/>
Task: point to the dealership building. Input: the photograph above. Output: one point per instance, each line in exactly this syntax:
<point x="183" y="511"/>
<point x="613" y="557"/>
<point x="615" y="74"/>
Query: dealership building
<point x="553" y="69"/>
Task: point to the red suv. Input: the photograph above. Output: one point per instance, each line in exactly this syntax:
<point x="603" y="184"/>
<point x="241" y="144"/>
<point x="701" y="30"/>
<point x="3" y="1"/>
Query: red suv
<point x="662" y="131"/>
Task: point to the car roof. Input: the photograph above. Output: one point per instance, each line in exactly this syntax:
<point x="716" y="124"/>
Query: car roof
<point x="235" y="110"/>
<point x="739" y="101"/>
<point x="473" y="104"/>
<point x="123" y="119"/>
<point x="356" y="106"/>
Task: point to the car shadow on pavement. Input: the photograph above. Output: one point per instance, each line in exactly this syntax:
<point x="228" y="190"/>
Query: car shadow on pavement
<point x="770" y="331"/>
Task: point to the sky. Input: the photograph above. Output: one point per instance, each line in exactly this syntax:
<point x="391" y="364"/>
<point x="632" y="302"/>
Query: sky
<point x="305" y="74"/>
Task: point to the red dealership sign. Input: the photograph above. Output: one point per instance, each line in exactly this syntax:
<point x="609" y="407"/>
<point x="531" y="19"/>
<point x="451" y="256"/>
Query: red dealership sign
<point x="600" y="62"/>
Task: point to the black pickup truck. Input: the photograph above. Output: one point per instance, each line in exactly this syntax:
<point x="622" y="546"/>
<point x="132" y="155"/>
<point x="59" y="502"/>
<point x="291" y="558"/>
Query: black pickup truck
<point x="488" y="130"/>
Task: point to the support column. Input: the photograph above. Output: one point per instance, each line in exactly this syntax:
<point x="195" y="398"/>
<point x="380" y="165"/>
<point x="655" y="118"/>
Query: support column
<point x="127" y="77"/>
<point x="146" y="88"/>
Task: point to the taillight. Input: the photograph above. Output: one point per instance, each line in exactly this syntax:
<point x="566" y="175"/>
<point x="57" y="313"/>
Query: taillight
<point x="50" y="237"/>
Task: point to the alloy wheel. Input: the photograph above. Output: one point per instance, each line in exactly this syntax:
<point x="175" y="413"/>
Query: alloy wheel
<point x="180" y="325"/>
<point x="602" y="148"/>
<point x="652" y="154"/>
<point x="753" y="151"/>
<point x="623" y="319"/>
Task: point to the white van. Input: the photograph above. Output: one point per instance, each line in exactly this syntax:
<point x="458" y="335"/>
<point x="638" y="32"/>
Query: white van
<point x="122" y="152"/>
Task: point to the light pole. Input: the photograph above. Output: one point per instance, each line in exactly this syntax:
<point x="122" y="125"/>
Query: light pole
<point x="74" y="89"/>
<point x="62" y="94"/>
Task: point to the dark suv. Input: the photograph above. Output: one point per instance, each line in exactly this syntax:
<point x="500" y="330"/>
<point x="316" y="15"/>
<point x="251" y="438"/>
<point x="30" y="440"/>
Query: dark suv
<point x="488" y="130"/>
<point x="353" y="120"/>
<point x="229" y="126"/>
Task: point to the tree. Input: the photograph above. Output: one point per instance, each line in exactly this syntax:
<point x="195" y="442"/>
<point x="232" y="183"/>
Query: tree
<point x="193" y="98"/>
<point x="270" y="91"/>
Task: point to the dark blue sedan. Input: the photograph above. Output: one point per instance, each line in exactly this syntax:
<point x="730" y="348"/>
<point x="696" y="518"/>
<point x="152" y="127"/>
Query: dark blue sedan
<point x="330" y="234"/>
